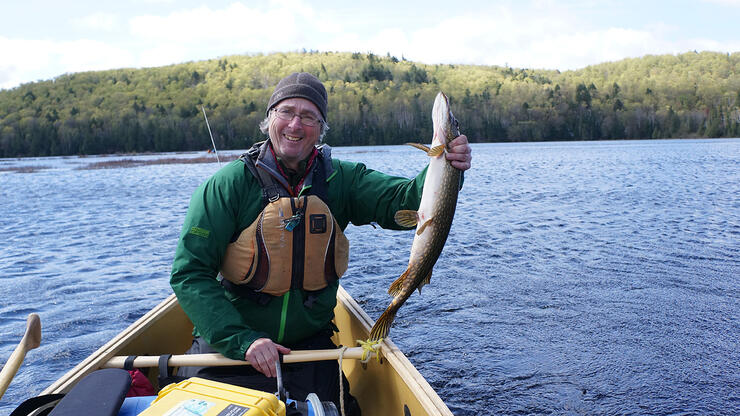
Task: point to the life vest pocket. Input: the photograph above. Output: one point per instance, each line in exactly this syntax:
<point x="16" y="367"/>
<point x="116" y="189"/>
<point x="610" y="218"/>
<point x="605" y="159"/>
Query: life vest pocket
<point x="240" y="260"/>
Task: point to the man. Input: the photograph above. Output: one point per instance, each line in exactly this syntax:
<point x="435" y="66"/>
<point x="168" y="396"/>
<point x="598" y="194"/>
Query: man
<point x="249" y="295"/>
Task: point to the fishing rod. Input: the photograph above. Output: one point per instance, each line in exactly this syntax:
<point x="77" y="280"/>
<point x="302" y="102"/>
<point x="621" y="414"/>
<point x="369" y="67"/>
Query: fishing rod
<point x="211" y="134"/>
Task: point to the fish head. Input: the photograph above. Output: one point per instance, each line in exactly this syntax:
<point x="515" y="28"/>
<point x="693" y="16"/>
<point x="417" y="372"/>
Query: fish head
<point x="445" y="125"/>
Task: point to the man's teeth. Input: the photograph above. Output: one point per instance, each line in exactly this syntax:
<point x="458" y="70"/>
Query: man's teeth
<point x="292" y="138"/>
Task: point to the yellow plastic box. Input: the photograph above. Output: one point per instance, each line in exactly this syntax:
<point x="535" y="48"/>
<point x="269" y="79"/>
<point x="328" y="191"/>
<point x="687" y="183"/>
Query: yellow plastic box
<point x="197" y="396"/>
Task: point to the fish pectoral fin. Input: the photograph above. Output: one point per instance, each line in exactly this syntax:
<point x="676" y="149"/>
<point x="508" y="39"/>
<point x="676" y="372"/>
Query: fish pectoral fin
<point x="436" y="150"/>
<point x="396" y="287"/>
<point x="420" y="147"/>
<point x="424" y="226"/>
<point x="433" y="152"/>
<point x="406" y="218"/>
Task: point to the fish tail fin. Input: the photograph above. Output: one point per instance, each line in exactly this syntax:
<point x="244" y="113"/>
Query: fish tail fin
<point x="396" y="287"/>
<point x="383" y="325"/>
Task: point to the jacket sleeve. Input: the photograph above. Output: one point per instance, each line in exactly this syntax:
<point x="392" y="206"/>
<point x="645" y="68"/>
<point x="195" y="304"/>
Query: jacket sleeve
<point x="372" y="196"/>
<point x="211" y="220"/>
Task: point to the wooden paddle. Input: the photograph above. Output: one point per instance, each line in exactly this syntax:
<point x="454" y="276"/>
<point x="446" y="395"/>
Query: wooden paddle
<point x="31" y="339"/>
<point x="217" y="360"/>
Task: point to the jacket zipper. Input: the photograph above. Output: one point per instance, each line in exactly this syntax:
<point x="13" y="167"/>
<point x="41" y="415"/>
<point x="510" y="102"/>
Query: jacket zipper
<point x="283" y="316"/>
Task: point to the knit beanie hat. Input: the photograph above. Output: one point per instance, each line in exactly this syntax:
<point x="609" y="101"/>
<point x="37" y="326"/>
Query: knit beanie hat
<point x="300" y="85"/>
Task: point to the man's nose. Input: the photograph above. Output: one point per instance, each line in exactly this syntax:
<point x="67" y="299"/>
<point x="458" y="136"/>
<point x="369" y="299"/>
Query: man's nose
<point x="295" y="122"/>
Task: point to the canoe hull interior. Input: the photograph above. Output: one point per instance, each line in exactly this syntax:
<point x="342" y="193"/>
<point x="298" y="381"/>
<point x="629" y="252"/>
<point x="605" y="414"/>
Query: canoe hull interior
<point x="382" y="389"/>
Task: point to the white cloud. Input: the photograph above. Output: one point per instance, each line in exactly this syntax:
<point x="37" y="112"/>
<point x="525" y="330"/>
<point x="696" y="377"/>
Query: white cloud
<point x="545" y="38"/>
<point x="162" y="54"/>
<point x="97" y="21"/>
<point x="237" y="25"/>
<point x="30" y="60"/>
<point x="540" y="35"/>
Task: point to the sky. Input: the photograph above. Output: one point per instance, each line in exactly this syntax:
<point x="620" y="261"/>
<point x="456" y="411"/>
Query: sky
<point x="40" y="39"/>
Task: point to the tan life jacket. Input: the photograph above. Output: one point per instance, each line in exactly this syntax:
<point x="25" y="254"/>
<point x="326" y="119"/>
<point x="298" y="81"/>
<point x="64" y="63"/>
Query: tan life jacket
<point x="294" y="242"/>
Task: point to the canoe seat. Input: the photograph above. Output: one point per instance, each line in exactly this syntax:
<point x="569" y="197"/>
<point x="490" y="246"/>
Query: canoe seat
<point x="100" y="393"/>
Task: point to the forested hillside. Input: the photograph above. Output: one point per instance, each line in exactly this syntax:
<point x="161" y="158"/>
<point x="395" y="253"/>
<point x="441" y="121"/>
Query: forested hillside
<point x="372" y="100"/>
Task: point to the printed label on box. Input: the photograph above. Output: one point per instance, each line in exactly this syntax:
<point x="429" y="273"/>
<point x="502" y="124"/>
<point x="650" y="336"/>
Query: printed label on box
<point x="191" y="407"/>
<point x="234" y="410"/>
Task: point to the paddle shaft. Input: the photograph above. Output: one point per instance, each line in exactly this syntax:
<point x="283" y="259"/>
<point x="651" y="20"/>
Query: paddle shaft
<point x="31" y="339"/>
<point x="218" y="360"/>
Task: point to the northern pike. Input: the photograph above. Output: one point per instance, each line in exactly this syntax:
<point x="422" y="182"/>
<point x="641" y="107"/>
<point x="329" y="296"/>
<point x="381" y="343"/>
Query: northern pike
<point x="433" y="219"/>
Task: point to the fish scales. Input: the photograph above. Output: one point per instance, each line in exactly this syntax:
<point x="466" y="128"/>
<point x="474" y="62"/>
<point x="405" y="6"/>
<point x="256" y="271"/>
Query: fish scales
<point x="433" y="219"/>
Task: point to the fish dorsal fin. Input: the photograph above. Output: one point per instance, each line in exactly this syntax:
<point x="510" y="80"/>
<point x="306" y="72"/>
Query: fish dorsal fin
<point x="424" y="226"/>
<point x="396" y="287"/>
<point x="406" y="218"/>
<point x="425" y="281"/>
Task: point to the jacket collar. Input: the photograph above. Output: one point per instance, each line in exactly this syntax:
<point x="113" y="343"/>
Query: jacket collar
<point x="266" y="161"/>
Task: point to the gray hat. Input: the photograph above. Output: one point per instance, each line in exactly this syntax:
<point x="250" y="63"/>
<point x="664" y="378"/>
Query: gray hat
<point x="300" y="85"/>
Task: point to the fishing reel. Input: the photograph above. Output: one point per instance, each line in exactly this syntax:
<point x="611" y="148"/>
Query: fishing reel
<point x="313" y="406"/>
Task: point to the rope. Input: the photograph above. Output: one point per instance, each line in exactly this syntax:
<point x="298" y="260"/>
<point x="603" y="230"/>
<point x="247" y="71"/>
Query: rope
<point x="341" y="379"/>
<point x="370" y="347"/>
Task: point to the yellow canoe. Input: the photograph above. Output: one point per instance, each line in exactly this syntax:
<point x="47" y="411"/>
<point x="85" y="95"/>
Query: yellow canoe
<point x="393" y="387"/>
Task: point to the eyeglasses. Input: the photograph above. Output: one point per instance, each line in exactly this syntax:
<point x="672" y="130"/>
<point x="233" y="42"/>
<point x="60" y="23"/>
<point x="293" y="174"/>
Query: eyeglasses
<point x="288" y="115"/>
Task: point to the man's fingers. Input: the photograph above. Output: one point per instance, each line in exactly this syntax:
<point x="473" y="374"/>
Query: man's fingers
<point x="460" y="153"/>
<point x="267" y="363"/>
<point x="263" y="354"/>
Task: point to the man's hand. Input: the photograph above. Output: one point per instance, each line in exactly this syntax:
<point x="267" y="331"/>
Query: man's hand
<point x="263" y="353"/>
<point x="459" y="153"/>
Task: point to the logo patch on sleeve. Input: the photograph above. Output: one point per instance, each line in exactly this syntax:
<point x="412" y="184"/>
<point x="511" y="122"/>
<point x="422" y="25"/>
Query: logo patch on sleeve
<point x="200" y="232"/>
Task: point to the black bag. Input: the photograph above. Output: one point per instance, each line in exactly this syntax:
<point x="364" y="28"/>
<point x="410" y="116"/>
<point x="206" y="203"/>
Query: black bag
<point x="100" y="393"/>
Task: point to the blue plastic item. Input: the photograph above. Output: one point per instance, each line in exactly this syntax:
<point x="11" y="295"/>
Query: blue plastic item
<point x="132" y="406"/>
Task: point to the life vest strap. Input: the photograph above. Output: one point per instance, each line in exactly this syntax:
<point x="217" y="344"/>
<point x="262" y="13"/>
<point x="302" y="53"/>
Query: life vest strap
<point x="240" y="290"/>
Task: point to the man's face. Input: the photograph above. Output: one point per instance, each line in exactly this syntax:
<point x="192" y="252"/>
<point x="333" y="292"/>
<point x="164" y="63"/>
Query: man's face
<point x="291" y="140"/>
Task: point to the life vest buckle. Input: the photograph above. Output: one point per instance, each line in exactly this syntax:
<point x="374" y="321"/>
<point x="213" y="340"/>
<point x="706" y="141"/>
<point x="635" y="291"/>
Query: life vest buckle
<point x="292" y="222"/>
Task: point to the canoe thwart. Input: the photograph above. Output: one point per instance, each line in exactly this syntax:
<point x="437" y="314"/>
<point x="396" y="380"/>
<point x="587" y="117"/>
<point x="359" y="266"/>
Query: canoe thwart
<point x="218" y="360"/>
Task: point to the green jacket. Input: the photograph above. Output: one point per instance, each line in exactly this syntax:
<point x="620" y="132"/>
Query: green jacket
<point x="229" y="202"/>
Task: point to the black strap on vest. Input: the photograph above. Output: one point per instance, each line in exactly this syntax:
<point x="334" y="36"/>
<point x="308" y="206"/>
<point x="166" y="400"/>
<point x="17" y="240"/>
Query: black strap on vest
<point x="247" y="293"/>
<point x="270" y="187"/>
<point x="299" y="244"/>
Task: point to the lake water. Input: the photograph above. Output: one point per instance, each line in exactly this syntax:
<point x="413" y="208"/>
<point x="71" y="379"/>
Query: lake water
<point x="596" y="278"/>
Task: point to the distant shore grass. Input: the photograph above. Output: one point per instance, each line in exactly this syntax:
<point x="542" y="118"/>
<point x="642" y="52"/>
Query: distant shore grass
<point x="126" y="163"/>
<point x="22" y="169"/>
<point x="132" y="163"/>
